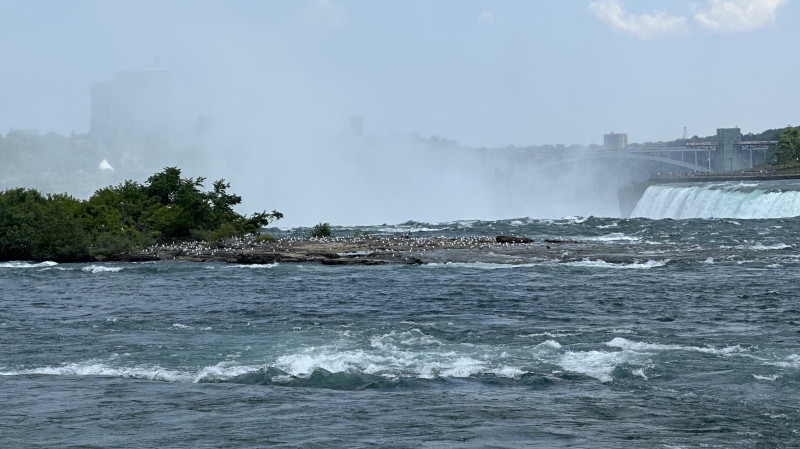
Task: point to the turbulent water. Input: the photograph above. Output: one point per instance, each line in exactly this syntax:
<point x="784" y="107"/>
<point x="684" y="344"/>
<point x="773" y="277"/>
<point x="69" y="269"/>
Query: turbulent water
<point x="659" y="350"/>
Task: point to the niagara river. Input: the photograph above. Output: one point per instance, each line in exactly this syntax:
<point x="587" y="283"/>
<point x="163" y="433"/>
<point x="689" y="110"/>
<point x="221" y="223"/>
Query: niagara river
<point x="692" y="339"/>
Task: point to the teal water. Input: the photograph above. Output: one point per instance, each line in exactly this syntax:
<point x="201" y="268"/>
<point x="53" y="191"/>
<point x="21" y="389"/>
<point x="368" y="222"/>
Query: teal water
<point x="690" y="340"/>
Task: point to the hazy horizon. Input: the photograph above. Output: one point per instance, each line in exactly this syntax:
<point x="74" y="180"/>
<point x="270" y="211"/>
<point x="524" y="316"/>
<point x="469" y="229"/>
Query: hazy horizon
<point x="262" y="93"/>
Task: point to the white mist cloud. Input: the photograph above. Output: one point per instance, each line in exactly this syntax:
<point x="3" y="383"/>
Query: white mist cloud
<point x="737" y="15"/>
<point x="640" y="25"/>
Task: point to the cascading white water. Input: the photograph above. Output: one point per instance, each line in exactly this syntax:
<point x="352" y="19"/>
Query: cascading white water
<point x="718" y="201"/>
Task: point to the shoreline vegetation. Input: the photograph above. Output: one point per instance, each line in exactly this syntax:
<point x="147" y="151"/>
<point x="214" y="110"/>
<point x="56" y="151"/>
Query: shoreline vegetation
<point x="122" y="219"/>
<point x="169" y="218"/>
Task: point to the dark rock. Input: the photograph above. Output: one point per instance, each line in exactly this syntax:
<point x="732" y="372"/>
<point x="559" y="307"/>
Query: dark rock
<point x="256" y="259"/>
<point x="511" y="239"/>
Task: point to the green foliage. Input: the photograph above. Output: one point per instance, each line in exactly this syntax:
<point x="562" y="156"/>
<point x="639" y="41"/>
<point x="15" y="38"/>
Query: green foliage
<point x="264" y="238"/>
<point x="321" y="230"/>
<point x="21" y="212"/>
<point x="789" y="145"/>
<point x="226" y="230"/>
<point x="36" y="227"/>
<point x="121" y="218"/>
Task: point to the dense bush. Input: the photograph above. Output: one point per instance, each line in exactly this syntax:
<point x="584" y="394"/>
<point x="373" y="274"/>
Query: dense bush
<point x="121" y="218"/>
<point x="321" y="230"/>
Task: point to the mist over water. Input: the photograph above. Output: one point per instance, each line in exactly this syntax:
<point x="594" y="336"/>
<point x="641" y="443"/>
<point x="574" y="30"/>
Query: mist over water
<point x="371" y="180"/>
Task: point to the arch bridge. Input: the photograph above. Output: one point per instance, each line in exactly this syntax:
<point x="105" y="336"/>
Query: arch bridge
<point x="697" y="159"/>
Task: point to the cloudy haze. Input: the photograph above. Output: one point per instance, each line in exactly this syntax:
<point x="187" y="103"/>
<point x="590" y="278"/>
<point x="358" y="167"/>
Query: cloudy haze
<point x="278" y="82"/>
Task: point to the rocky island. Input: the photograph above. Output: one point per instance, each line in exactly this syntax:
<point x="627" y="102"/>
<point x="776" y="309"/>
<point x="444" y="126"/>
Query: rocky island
<point x="368" y="250"/>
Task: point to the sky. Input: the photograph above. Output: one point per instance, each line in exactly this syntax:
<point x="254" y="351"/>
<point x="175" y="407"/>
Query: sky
<point x="273" y="76"/>
<point x="478" y="72"/>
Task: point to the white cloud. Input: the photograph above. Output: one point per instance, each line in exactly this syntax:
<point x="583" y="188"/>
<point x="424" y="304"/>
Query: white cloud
<point x="737" y="15"/>
<point x="641" y="25"/>
<point x="486" y="17"/>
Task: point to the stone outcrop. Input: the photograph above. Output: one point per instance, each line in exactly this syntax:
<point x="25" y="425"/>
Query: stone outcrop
<point x="512" y="239"/>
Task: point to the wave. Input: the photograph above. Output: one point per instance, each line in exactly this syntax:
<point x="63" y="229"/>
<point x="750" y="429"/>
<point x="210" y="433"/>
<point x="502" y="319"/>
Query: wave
<point x="20" y="264"/>
<point x="717" y="201"/>
<point x="625" y="344"/>
<point x="586" y="263"/>
<point x="101" y="269"/>
<point x="264" y="266"/>
<point x="614" y="237"/>
<point x="480" y="265"/>
<point x="415" y="359"/>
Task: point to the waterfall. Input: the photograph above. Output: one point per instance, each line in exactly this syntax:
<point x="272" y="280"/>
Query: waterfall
<point x="718" y="201"/>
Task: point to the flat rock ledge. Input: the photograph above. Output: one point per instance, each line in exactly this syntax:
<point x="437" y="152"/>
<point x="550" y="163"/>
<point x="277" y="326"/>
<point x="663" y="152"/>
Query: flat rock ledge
<point x="369" y="250"/>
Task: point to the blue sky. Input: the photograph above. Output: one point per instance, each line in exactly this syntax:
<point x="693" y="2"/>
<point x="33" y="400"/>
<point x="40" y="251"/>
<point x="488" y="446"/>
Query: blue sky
<point x="479" y="72"/>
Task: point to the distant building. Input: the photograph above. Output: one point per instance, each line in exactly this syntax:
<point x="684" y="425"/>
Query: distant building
<point x="615" y="141"/>
<point x="130" y="113"/>
<point x="728" y="156"/>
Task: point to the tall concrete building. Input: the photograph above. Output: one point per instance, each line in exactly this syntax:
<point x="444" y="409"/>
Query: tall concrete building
<point x="615" y="141"/>
<point x="130" y="114"/>
<point x="728" y="157"/>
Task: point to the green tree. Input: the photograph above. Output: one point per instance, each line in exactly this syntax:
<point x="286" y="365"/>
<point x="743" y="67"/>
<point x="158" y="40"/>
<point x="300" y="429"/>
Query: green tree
<point x="61" y="234"/>
<point x="321" y="230"/>
<point x="21" y="212"/>
<point x="121" y="218"/>
<point x="789" y="145"/>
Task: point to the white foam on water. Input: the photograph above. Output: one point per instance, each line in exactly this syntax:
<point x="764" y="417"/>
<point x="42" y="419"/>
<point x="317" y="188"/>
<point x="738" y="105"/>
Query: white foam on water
<point x="332" y="360"/>
<point x="792" y="361"/>
<point x="21" y="264"/>
<point x="101" y="269"/>
<point x="771" y="378"/>
<point x="709" y="261"/>
<point x="625" y="344"/>
<point x="586" y="263"/>
<point x="549" y="334"/>
<point x="629" y="345"/>
<point x="403" y="354"/>
<point x="180" y="326"/>
<point x="92" y="368"/>
<point x="762" y="247"/>
<point x="460" y="367"/>
<point x="262" y="266"/>
<point x="551" y="344"/>
<point x="614" y="237"/>
<point x="394" y="340"/>
<point x="480" y="265"/>
<point x="223" y="370"/>
<point x="596" y="364"/>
